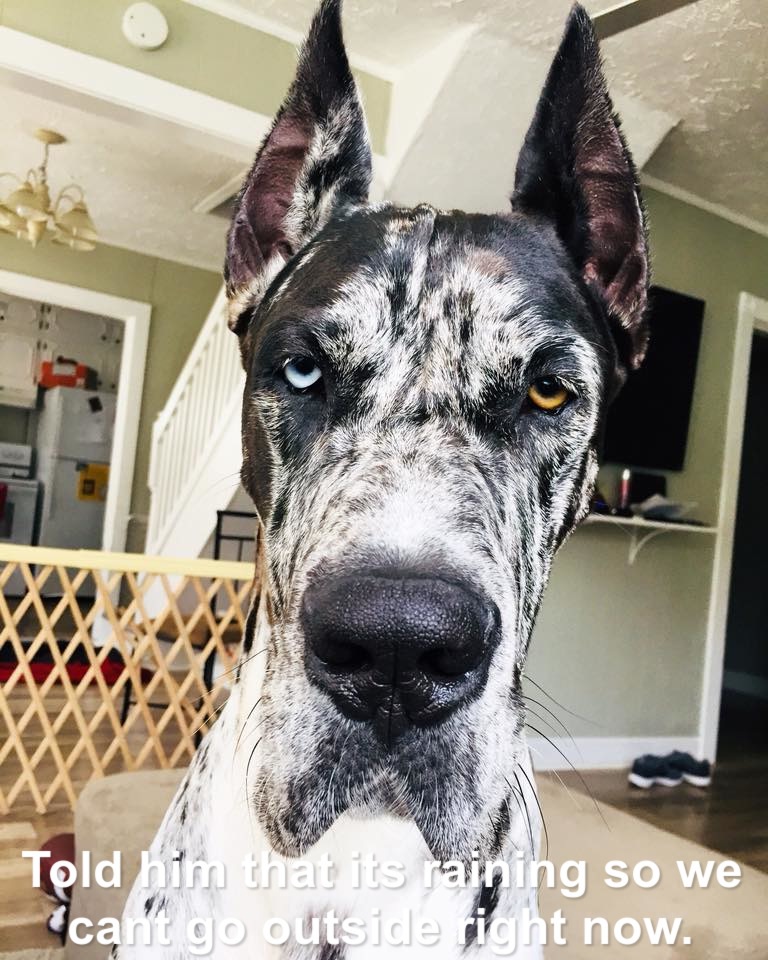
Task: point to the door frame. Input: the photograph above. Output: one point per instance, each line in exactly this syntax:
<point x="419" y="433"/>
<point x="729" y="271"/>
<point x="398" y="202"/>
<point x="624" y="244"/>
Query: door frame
<point x="752" y="318"/>
<point x="135" y="316"/>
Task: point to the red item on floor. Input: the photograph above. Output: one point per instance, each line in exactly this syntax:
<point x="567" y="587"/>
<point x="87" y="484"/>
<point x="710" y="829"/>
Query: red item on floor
<point x="42" y="664"/>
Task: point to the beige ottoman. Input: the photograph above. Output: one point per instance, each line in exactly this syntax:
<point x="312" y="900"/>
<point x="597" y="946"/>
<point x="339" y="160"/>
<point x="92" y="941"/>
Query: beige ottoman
<point x="121" y="812"/>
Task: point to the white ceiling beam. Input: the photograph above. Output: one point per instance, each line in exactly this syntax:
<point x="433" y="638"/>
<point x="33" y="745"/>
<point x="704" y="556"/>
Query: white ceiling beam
<point x="138" y="99"/>
<point x="631" y="13"/>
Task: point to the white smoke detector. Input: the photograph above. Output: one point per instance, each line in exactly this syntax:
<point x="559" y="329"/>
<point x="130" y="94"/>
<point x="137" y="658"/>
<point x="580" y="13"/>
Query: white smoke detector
<point x="145" y="26"/>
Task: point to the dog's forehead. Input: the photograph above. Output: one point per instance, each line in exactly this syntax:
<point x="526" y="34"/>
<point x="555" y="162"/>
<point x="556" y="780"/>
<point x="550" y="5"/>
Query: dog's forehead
<point x="446" y="290"/>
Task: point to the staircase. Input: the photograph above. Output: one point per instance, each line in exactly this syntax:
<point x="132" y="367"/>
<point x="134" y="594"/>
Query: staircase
<point x="195" y="456"/>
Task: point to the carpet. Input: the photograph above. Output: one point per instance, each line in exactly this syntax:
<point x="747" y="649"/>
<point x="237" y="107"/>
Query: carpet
<point x="57" y="954"/>
<point x="723" y="924"/>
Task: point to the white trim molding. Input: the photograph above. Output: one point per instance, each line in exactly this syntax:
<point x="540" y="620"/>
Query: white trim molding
<point x="120" y="93"/>
<point x="100" y="86"/>
<point x="694" y="200"/>
<point x="135" y="317"/>
<point x="752" y="317"/>
<point x="595" y="753"/>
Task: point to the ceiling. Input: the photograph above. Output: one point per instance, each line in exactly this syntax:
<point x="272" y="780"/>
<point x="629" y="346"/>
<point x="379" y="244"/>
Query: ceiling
<point x="704" y="64"/>
<point x="707" y="63"/>
<point x="140" y="187"/>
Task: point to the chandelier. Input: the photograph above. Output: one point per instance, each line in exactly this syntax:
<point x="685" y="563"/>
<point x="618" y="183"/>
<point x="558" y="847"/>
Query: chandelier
<point x="27" y="213"/>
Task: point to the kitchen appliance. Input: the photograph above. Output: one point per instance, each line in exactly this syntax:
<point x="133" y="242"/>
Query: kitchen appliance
<point x="15" y="460"/>
<point x="19" y="496"/>
<point x="74" y="442"/>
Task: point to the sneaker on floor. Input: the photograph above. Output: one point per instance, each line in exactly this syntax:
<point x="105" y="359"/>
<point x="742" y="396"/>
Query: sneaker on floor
<point x="696" y="772"/>
<point x="649" y="769"/>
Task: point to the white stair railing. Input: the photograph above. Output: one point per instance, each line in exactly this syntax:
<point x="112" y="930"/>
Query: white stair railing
<point x="195" y="452"/>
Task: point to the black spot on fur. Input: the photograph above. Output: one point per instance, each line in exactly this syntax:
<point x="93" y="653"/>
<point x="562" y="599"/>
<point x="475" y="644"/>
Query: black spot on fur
<point x="278" y="515"/>
<point x="501" y="830"/>
<point x="250" y="628"/>
<point x="487" y="900"/>
<point x="331" y="951"/>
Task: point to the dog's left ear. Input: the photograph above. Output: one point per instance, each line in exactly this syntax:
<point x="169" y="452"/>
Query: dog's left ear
<point x="575" y="170"/>
<point x="314" y="163"/>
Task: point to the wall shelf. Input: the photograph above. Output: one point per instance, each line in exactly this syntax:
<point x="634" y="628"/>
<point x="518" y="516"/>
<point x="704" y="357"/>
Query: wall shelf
<point x="642" y="531"/>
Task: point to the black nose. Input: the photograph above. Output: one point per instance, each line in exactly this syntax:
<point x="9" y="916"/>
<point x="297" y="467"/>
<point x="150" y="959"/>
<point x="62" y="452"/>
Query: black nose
<point x="397" y="651"/>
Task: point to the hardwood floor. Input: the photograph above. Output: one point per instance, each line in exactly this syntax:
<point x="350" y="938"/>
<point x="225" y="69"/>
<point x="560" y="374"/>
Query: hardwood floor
<point x="730" y="816"/>
<point x="23" y="909"/>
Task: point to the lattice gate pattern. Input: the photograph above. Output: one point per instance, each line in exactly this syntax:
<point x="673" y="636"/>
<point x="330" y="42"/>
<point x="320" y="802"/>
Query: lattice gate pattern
<point x="109" y="662"/>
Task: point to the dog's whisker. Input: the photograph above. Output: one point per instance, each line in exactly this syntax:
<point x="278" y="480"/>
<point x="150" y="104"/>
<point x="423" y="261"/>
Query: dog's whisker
<point x="549" y="725"/>
<point x="533" y="842"/>
<point x="554" y="773"/>
<point x="538" y="804"/>
<point x="552" y="714"/>
<point x="577" y="772"/>
<point x="227" y="673"/>
<point x="523" y="807"/>
<point x="207" y="720"/>
<point x="578" y="716"/>
<point x="245" y="722"/>
<point x="250" y="758"/>
<point x="251" y="733"/>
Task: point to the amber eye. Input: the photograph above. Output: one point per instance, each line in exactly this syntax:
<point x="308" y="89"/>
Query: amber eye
<point x="547" y="393"/>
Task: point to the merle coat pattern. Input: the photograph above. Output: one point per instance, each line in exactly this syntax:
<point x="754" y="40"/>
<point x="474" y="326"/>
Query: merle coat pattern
<point x="425" y="399"/>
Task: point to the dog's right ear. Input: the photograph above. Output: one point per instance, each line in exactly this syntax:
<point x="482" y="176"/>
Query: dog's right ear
<point x="314" y="163"/>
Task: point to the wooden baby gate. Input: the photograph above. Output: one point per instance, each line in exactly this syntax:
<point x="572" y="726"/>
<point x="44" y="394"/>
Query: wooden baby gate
<point x="109" y="662"/>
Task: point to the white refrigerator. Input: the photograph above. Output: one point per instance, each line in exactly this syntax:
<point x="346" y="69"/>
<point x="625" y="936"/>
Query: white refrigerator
<point x="74" y="444"/>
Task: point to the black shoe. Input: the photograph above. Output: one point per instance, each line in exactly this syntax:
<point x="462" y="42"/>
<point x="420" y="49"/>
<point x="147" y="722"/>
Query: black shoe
<point x="696" y="772"/>
<point x="649" y="769"/>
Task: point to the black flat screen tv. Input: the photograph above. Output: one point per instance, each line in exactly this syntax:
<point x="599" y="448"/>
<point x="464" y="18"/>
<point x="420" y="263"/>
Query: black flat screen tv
<point x="647" y="423"/>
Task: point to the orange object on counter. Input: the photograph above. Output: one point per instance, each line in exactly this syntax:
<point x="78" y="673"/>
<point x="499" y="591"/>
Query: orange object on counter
<point x="63" y="373"/>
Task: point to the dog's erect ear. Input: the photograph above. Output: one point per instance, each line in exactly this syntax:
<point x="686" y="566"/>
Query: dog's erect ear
<point x="315" y="162"/>
<point x="575" y="169"/>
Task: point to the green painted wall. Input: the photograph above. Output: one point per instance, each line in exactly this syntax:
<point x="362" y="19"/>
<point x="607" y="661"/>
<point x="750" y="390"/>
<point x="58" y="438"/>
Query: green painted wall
<point x="180" y="296"/>
<point x="204" y="52"/>
<point x="623" y="646"/>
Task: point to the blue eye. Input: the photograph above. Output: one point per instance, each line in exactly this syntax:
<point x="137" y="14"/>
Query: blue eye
<point x="301" y="372"/>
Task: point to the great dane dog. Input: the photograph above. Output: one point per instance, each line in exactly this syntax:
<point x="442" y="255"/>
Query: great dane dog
<point x="425" y="398"/>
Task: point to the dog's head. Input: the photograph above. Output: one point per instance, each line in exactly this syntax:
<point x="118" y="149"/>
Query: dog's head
<point x="424" y="404"/>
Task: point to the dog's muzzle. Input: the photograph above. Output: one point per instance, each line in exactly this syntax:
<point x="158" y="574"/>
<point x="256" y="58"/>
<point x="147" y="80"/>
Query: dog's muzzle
<point x="399" y="652"/>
